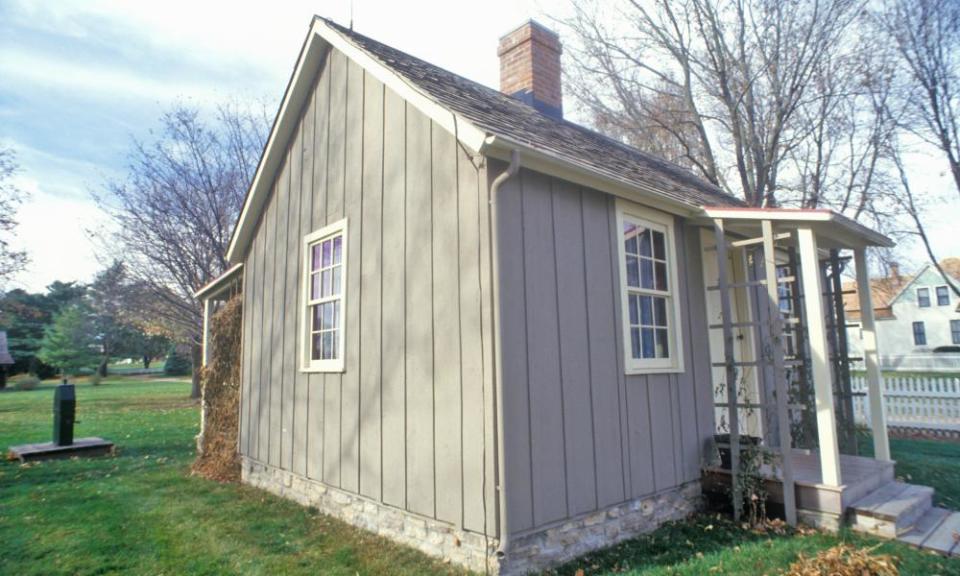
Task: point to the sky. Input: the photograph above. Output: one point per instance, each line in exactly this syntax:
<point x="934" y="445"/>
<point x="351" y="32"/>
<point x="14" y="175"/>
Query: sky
<point x="80" y="79"/>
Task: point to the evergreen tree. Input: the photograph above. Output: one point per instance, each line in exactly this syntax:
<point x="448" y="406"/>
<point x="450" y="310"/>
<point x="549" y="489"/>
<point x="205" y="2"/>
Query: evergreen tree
<point x="69" y="344"/>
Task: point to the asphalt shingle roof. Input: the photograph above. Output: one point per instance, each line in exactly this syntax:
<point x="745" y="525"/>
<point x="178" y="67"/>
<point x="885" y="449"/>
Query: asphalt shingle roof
<point x="502" y="115"/>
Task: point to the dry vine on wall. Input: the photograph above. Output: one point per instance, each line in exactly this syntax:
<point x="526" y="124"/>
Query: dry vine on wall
<point x="218" y="458"/>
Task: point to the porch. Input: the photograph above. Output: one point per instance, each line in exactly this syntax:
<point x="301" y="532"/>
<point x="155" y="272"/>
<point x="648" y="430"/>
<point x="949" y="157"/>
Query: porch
<point x="817" y="502"/>
<point x="781" y="368"/>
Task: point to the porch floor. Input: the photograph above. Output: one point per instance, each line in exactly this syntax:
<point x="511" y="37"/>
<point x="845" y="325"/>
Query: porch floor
<point x="860" y="476"/>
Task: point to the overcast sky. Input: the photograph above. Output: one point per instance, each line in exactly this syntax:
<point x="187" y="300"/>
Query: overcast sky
<point x="80" y="79"/>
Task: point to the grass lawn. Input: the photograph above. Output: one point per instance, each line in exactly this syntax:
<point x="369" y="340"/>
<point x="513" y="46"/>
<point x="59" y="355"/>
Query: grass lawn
<point x="141" y="513"/>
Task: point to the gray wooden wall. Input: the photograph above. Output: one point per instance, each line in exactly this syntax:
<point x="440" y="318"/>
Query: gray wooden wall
<point x="580" y="435"/>
<point x="407" y="423"/>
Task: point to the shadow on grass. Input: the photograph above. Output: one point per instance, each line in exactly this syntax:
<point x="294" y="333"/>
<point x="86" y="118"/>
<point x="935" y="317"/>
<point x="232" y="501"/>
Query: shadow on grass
<point x="670" y="545"/>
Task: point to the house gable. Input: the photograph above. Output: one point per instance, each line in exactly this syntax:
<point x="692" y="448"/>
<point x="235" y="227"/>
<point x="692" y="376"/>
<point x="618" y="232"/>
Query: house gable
<point x="401" y="427"/>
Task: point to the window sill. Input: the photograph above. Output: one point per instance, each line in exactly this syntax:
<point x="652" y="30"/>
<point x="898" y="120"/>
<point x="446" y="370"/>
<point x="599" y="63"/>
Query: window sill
<point x="337" y="368"/>
<point x="652" y="370"/>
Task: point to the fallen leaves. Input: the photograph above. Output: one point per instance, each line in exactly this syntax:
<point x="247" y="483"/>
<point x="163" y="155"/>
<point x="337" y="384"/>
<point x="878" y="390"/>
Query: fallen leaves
<point x="844" y="560"/>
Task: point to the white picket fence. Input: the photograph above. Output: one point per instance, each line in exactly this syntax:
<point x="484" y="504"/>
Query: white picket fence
<point x="931" y="403"/>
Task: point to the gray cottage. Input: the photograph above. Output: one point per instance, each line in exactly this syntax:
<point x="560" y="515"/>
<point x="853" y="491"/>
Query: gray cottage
<point x="495" y="335"/>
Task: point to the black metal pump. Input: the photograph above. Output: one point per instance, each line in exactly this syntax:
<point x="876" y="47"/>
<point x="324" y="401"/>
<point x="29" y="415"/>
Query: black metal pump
<point x="64" y="413"/>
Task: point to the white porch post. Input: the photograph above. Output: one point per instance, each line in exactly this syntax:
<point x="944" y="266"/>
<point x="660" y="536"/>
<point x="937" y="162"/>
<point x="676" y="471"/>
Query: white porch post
<point x="822" y="378"/>
<point x="207" y="310"/>
<point x="878" y="418"/>
<point x="780" y="378"/>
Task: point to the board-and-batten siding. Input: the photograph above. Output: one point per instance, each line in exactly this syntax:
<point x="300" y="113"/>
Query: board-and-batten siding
<point x="581" y="435"/>
<point x="407" y="422"/>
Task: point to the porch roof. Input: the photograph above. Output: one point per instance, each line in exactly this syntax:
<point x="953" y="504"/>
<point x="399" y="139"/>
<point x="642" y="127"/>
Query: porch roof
<point x="219" y="284"/>
<point x="833" y="230"/>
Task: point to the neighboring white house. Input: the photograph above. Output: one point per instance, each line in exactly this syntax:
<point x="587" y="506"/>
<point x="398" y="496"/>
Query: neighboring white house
<point x="917" y="317"/>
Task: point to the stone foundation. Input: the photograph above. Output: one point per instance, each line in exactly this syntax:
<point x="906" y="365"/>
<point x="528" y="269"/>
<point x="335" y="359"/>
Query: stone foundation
<point x="562" y="542"/>
<point x="534" y="551"/>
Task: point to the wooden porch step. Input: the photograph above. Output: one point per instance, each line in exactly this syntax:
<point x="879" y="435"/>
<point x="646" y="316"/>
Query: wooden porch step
<point x="891" y="510"/>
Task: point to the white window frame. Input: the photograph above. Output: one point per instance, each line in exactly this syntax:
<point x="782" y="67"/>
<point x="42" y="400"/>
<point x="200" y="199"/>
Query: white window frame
<point x="664" y="223"/>
<point x="929" y="299"/>
<point x="307" y="363"/>
<point x="936" y="294"/>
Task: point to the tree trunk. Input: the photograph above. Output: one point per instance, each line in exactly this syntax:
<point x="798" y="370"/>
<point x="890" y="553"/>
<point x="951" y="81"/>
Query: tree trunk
<point x="196" y="355"/>
<point x="146" y="361"/>
<point x="102" y="368"/>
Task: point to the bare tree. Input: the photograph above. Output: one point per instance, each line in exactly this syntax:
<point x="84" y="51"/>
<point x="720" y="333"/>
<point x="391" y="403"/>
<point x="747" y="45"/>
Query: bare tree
<point x="739" y="70"/>
<point x="175" y="210"/>
<point x="846" y="124"/>
<point x="11" y="261"/>
<point x="913" y="206"/>
<point x="927" y="38"/>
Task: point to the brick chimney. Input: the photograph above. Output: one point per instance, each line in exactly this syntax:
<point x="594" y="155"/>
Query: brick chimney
<point x="530" y="67"/>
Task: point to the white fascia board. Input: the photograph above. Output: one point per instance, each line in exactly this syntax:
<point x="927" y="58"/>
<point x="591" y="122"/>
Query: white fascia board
<point x="218" y="284"/>
<point x="298" y="89"/>
<point x="319" y="39"/>
<point x="553" y="165"/>
<point x="468" y="134"/>
<point x="851" y="231"/>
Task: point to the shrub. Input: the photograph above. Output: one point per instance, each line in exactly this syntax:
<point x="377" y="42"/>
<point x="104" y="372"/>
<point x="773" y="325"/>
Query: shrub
<point x="177" y="363"/>
<point x="28" y="382"/>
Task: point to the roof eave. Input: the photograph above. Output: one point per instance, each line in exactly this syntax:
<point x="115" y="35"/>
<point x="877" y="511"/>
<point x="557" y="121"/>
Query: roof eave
<point x="857" y="235"/>
<point x="218" y="284"/>
<point x="536" y="159"/>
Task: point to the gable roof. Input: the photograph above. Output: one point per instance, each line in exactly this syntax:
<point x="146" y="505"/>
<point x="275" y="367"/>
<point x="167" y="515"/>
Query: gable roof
<point x="506" y="117"/>
<point x="485" y="121"/>
<point x="885" y="291"/>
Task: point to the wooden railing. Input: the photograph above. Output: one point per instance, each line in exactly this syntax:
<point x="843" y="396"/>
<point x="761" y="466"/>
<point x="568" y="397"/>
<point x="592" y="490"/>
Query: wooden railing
<point x="931" y="403"/>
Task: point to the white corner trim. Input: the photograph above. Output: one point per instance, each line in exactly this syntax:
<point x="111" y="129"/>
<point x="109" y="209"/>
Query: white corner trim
<point x="303" y="330"/>
<point x="674" y="364"/>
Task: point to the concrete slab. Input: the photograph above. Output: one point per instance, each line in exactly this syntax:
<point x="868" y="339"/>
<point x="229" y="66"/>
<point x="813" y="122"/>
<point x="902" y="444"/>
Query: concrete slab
<point x="82" y="447"/>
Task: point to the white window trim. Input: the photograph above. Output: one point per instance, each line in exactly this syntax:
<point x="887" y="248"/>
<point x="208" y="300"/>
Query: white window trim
<point x="674" y="364"/>
<point x="929" y="298"/>
<point x="307" y="364"/>
<point x="936" y="297"/>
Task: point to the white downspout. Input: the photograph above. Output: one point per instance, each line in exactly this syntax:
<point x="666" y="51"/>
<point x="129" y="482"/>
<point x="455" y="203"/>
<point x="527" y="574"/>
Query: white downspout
<point x="512" y="169"/>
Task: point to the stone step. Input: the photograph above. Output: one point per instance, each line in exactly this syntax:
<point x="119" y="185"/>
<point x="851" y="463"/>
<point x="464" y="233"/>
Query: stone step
<point x="925" y="526"/>
<point x="891" y="510"/>
<point x="944" y="538"/>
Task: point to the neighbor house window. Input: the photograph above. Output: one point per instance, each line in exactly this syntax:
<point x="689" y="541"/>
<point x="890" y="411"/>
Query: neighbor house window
<point x="955" y="331"/>
<point x="919" y="334"/>
<point x="651" y="324"/>
<point x="943" y="296"/>
<point x="923" y="297"/>
<point x="325" y="257"/>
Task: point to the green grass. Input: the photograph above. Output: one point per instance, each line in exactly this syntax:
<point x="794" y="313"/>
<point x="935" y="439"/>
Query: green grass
<point x="934" y="463"/>
<point x="140" y="512"/>
<point x="714" y="545"/>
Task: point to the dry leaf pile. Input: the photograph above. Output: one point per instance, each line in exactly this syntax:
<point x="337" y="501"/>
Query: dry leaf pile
<point x="845" y="560"/>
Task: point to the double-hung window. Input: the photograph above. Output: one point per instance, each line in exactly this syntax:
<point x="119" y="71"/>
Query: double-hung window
<point x="923" y="297"/>
<point x="648" y="275"/>
<point x="943" y="296"/>
<point x="955" y="331"/>
<point x="324" y="269"/>
<point x="919" y="334"/>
